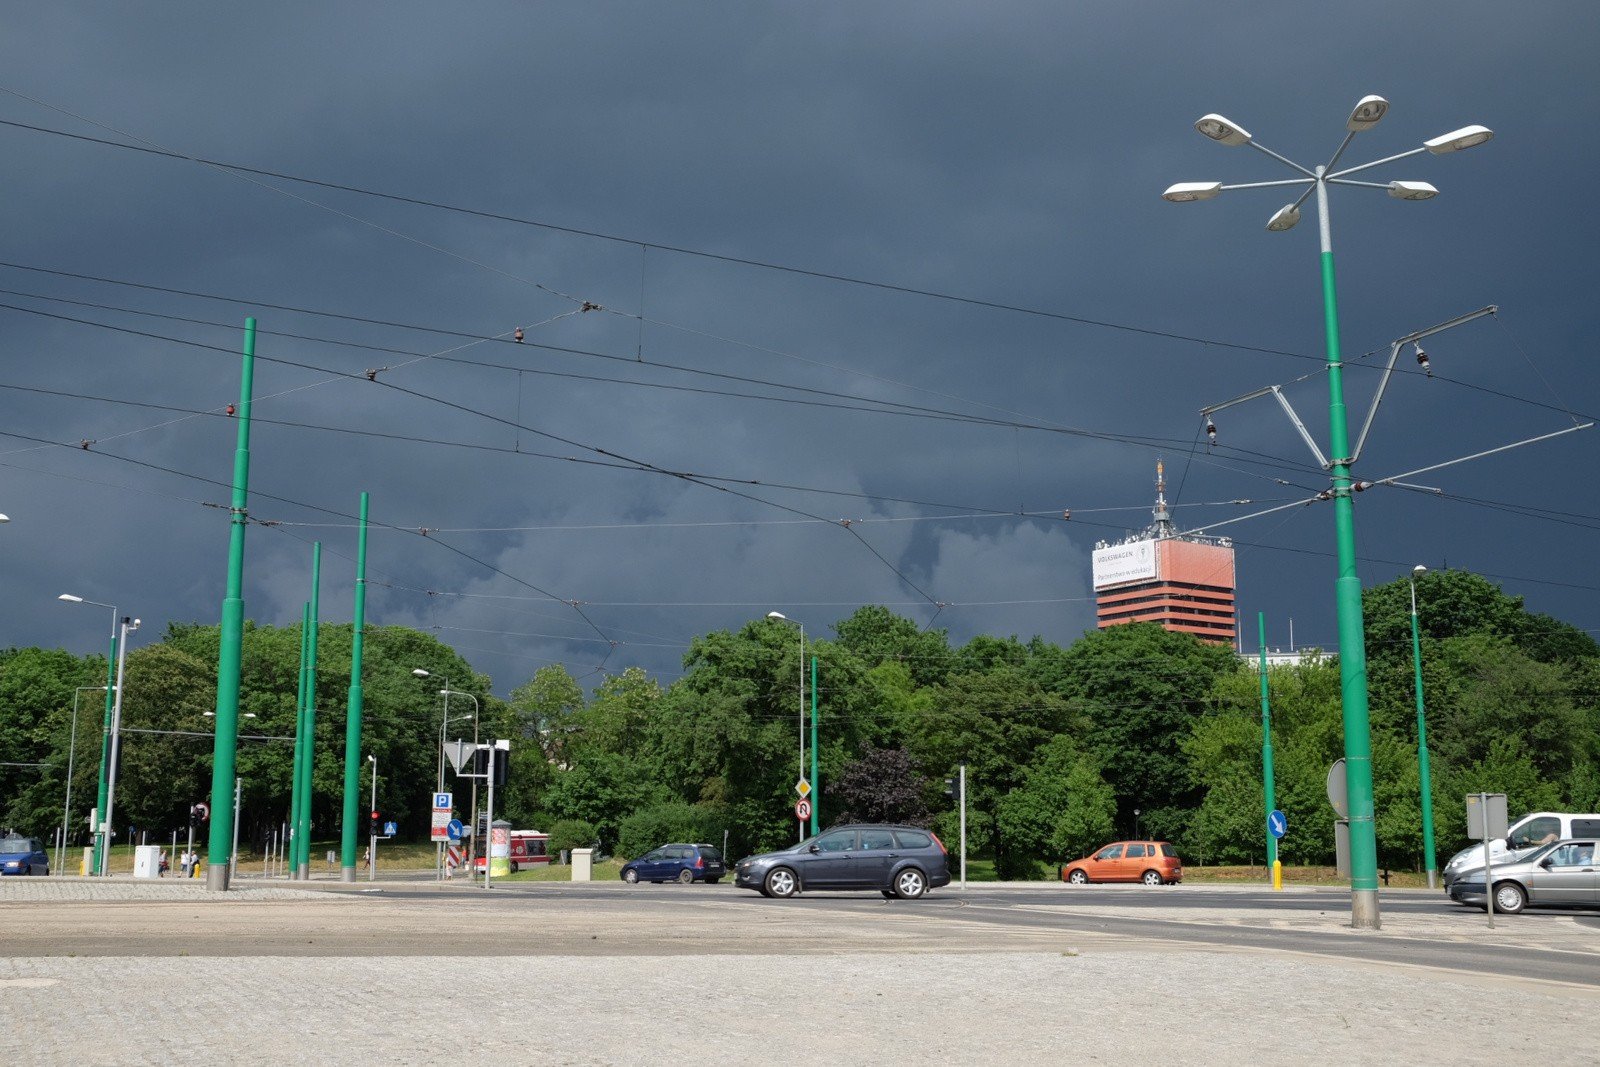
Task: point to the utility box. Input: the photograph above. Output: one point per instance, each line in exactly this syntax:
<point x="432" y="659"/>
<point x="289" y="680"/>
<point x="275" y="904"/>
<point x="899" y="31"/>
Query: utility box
<point x="147" y="861"/>
<point x="582" y="864"/>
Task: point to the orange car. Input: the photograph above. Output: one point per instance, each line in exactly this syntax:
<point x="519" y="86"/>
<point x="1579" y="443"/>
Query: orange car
<point x="1150" y="862"/>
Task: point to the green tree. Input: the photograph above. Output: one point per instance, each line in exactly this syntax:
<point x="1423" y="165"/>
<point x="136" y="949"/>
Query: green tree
<point x="1062" y="810"/>
<point x="1142" y="689"/>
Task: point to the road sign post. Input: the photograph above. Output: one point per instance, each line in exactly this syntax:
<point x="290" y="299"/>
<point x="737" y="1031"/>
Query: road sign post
<point x="1277" y="826"/>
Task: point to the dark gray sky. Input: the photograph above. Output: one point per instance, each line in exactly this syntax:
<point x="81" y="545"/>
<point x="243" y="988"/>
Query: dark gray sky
<point x="1009" y="153"/>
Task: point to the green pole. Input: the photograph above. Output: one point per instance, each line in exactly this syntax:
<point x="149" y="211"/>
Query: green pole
<point x="96" y="836"/>
<point x="302" y="835"/>
<point x="352" y="723"/>
<point x="1422" y="747"/>
<point x="223" y="762"/>
<point x="1269" y="791"/>
<point x="816" y="779"/>
<point x="1352" y="640"/>
<point x="299" y="740"/>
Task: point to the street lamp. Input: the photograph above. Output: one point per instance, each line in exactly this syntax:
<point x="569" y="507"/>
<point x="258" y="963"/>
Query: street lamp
<point x="1352" y="650"/>
<point x="780" y="617"/>
<point x="72" y="748"/>
<point x="372" y="841"/>
<point x="1422" y="736"/>
<point x="100" y="841"/>
<point x="128" y="625"/>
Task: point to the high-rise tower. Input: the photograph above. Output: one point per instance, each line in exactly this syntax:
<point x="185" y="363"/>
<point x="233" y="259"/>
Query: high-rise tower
<point x="1182" y="581"/>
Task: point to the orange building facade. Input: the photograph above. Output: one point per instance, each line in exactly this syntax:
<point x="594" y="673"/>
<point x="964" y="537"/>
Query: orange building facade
<point x="1184" y="585"/>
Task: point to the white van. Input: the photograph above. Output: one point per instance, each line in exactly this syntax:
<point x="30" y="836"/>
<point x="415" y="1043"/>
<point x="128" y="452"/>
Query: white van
<point x="1522" y="837"/>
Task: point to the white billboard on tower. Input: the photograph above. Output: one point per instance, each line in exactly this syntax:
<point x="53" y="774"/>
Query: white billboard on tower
<point x="1132" y="562"/>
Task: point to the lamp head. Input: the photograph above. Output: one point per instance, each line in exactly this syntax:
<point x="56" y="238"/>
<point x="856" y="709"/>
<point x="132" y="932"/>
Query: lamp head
<point x="1369" y="111"/>
<point x="5" y="518"/>
<point x="777" y="615"/>
<point x="1418" y="570"/>
<point x="1184" y="192"/>
<point x="1220" y="129"/>
<point x="1456" y="140"/>
<point x="420" y="673"/>
<point x="1412" y="191"/>
<point x="70" y="599"/>
<point x="1286" y="218"/>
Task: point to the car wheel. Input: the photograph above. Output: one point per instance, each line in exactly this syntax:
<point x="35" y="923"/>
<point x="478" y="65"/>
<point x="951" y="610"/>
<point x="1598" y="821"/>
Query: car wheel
<point x="1510" y="898"/>
<point x="781" y="882"/>
<point x="1077" y="877"/>
<point x="514" y="867"/>
<point x="910" y="884"/>
<point x="630" y="876"/>
<point x="686" y="876"/>
<point x="1152" y="878"/>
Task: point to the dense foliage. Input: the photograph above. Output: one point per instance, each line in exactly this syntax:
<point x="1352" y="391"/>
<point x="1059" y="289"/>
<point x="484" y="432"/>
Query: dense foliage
<point x="1065" y="748"/>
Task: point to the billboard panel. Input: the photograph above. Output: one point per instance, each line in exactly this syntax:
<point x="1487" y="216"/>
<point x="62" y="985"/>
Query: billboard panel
<point x="1133" y="562"/>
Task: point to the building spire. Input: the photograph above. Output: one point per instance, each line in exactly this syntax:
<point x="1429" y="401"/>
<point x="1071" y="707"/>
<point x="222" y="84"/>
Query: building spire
<point x="1162" y="527"/>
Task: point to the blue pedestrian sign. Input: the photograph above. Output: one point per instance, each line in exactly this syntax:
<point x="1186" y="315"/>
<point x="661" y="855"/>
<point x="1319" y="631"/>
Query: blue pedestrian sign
<point x="1277" y="824"/>
<point x="388" y="829"/>
<point x="456" y="829"/>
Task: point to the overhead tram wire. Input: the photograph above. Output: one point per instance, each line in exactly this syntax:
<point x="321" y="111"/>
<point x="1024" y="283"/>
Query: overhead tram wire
<point x="1244" y="456"/>
<point x="990" y="305"/>
<point x="1263" y="459"/>
<point x="642" y="465"/>
<point x="611" y="459"/>
<point x="889" y="407"/>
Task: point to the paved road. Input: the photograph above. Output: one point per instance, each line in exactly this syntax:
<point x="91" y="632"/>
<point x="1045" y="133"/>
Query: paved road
<point x="413" y="972"/>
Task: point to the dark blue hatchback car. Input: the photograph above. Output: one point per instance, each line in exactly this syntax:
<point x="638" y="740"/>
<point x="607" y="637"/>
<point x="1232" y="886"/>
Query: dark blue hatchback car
<point x="23" y="855"/>
<point x="677" y="863"/>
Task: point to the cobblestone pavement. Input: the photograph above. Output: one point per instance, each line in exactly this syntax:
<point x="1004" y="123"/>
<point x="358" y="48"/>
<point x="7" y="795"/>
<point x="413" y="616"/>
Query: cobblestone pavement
<point x="621" y="976"/>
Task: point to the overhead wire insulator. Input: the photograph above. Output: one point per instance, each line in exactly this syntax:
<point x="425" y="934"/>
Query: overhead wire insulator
<point x="1211" y="431"/>
<point x="1422" y="360"/>
<point x="517" y="335"/>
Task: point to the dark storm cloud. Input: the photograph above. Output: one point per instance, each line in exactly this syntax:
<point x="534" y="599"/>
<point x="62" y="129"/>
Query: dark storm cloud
<point x="1010" y="153"/>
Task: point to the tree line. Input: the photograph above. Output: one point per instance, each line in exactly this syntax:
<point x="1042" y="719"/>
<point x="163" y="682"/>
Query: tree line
<point x="1128" y="730"/>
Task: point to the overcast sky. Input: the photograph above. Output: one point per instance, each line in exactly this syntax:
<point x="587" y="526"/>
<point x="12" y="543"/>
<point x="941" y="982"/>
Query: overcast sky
<point x="719" y="180"/>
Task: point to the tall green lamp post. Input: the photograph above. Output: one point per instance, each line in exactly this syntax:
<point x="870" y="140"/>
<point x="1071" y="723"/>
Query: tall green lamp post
<point x="1352" y="647"/>
<point x="1430" y="862"/>
<point x="219" y="845"/>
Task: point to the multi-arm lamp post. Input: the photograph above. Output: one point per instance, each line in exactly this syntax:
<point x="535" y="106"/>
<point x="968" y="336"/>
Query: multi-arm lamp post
<point x="1352" y="648"/>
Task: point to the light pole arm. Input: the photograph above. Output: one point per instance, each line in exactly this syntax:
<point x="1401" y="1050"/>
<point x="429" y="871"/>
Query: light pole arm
<point x="1377" y="163"/>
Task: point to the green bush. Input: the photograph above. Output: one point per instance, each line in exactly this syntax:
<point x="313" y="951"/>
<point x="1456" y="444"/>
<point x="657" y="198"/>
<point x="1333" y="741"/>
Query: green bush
<point x="659" y="824"/>
<point x="570" y="834"/>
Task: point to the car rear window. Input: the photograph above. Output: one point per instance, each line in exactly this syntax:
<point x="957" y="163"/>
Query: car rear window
<point x="16" y="844"/>
<point x="913" y="839"/>
<point x="714" y="855"/>
<point x="1168" y="850"/>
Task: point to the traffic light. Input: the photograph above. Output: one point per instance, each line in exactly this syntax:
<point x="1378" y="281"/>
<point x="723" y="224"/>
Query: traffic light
<point x="480" y="762"/>
<point x="502" y="757"/>
<point x="376" y="827"/>
<point x="950" y="788"/>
